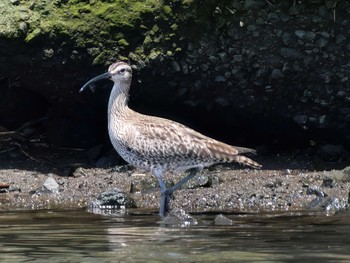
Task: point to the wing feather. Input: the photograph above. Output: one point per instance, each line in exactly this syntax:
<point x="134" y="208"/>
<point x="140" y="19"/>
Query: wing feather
<point x="157" y="138"/>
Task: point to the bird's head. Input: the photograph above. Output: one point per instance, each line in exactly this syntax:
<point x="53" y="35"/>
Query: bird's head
<point x="119" y="72"/>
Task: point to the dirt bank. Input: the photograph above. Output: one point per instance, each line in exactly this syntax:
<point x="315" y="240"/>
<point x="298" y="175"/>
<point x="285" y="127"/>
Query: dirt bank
<point x="286" y="182"/>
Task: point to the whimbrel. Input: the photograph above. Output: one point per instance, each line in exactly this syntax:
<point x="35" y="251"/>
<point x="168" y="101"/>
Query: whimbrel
<point x="159" y="145"/>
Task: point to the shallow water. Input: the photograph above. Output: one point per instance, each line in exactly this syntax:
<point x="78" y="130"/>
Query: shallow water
<point x="79" y="236"/>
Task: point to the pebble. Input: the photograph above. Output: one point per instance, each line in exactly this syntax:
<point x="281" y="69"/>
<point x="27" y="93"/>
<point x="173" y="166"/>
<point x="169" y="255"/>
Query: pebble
<point x="51" y="185"/>
<point x="300" y="119"/>
<point x="290" y="53"/>
<point x="238" y="58"/>
<point x="300" y="33"/>
<point x="220" y="78"/>
<point x="213" y="59"/>
<point x="223" y="56"/>
<point x="340" y="38"/>
<point x="277" y="74"/>
<point x="176" y="66"/>
<point x="221" y="220"/>
<point x="322" y="42"/>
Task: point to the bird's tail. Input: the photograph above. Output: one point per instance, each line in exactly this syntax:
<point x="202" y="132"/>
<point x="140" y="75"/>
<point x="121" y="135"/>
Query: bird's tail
<point x="226" y="153"/>
<point x="245" y="160"/>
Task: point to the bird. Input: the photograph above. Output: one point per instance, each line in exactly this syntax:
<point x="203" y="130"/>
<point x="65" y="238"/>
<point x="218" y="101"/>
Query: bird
<point x="160" y="145"/>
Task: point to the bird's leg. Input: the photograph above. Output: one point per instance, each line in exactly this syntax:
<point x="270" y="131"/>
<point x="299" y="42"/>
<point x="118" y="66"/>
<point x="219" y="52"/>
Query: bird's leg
<point x="164" y="199"/>
<point x="166" y="193"/>
<point x="192" y="173"/>
<point x="164" y="196"/>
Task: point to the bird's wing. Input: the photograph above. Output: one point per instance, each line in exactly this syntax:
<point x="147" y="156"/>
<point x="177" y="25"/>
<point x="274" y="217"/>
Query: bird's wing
<point x="162" y="138"/>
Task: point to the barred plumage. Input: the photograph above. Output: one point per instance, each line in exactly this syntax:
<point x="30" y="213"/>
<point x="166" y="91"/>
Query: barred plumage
<point x="157" y="144"/>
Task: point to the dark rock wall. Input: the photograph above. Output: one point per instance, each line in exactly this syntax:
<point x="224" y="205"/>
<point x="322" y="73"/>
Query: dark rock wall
<point x="253" y="72"/>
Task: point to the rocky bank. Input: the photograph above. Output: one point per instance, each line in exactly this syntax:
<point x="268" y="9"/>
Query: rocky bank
<point x="273" y="75"/>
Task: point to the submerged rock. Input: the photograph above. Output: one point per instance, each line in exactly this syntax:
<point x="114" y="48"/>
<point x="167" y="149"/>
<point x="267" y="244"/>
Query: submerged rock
<point x="178" y="217"/>
<point x="112" y="199"/>
<point x="222" y="220"/>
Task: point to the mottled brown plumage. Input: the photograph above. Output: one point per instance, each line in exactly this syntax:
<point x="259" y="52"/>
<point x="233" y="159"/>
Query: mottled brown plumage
<point x="157" y="144"/>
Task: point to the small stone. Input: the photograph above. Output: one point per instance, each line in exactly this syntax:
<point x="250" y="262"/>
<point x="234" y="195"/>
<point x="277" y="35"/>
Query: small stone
<point x="184" y="68"/>
<point x="290" y="53"/>
<point x="273" y="17"/>
<point x="190" y="46"/>
<point x="300" y="33"/>
<point x="220" y="78"/>
<point x="314" y="191"/>
<point x="310" y="36"/>
<point x="231" y="51"/>
<point x="175" y="65"/>
<point x="284" y="17"/>
<point x="333" y="205"/>
<point x="238" y="58"/>
<point x="213" y="59"/>
<point x="308" y="60"/>
<point x="312" y="120"/>
<point x="339" y="38"/>
<point x="251" y="27"/>
<point x="300" y="119"/>
<point x="341" y="93"/>
<point x="325" y="34"/>
<point x="23" y="27"/>
<point x="51" y="185"/>
<point x="48" y="53"/>
<point x="322" y="120"/>
<point x="223" y="56"/>
<point x="268" y="89"/>
<point x="221" y="220"/>
<point x="228" y="74"/>
<point x="328" y="182"/>
<point x="204" y="67"/>
<point x="277" y="74"/>
<point x="255" y="34"/>
<point x="322" y="42"/>
<point x="287" y="38"/>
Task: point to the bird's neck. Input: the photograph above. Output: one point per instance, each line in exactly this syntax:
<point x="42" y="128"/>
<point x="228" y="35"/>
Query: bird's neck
<point x="118" y="100"/>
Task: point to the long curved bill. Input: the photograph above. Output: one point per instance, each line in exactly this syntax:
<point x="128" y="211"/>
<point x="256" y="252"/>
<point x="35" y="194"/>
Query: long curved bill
<point x="99" y="77"/>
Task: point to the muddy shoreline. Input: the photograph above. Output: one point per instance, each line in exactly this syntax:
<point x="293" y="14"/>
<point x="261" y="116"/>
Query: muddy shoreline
<point x="288" y="182"/>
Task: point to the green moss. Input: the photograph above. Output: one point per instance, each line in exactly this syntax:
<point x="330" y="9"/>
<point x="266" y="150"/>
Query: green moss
<point x="145" y="29"/>
<point x="123" y="42"/>
<point x="147" y="41"/>
<point x="33" y="35"/>
<point x="100" y="59"/>
<point x="174" y="27"/>
<point x="167" y="10"/>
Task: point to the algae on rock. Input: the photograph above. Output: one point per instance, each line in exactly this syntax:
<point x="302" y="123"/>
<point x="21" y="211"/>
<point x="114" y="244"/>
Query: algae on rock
<point x="110" y="26"/>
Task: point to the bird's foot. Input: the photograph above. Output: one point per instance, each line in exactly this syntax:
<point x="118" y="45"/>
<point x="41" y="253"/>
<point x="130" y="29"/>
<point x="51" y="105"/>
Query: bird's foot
<point x="178" y="217"/>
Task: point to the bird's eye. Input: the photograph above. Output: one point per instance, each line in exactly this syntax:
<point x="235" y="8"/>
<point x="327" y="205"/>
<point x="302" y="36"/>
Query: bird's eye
<point x="122" y="70"/>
